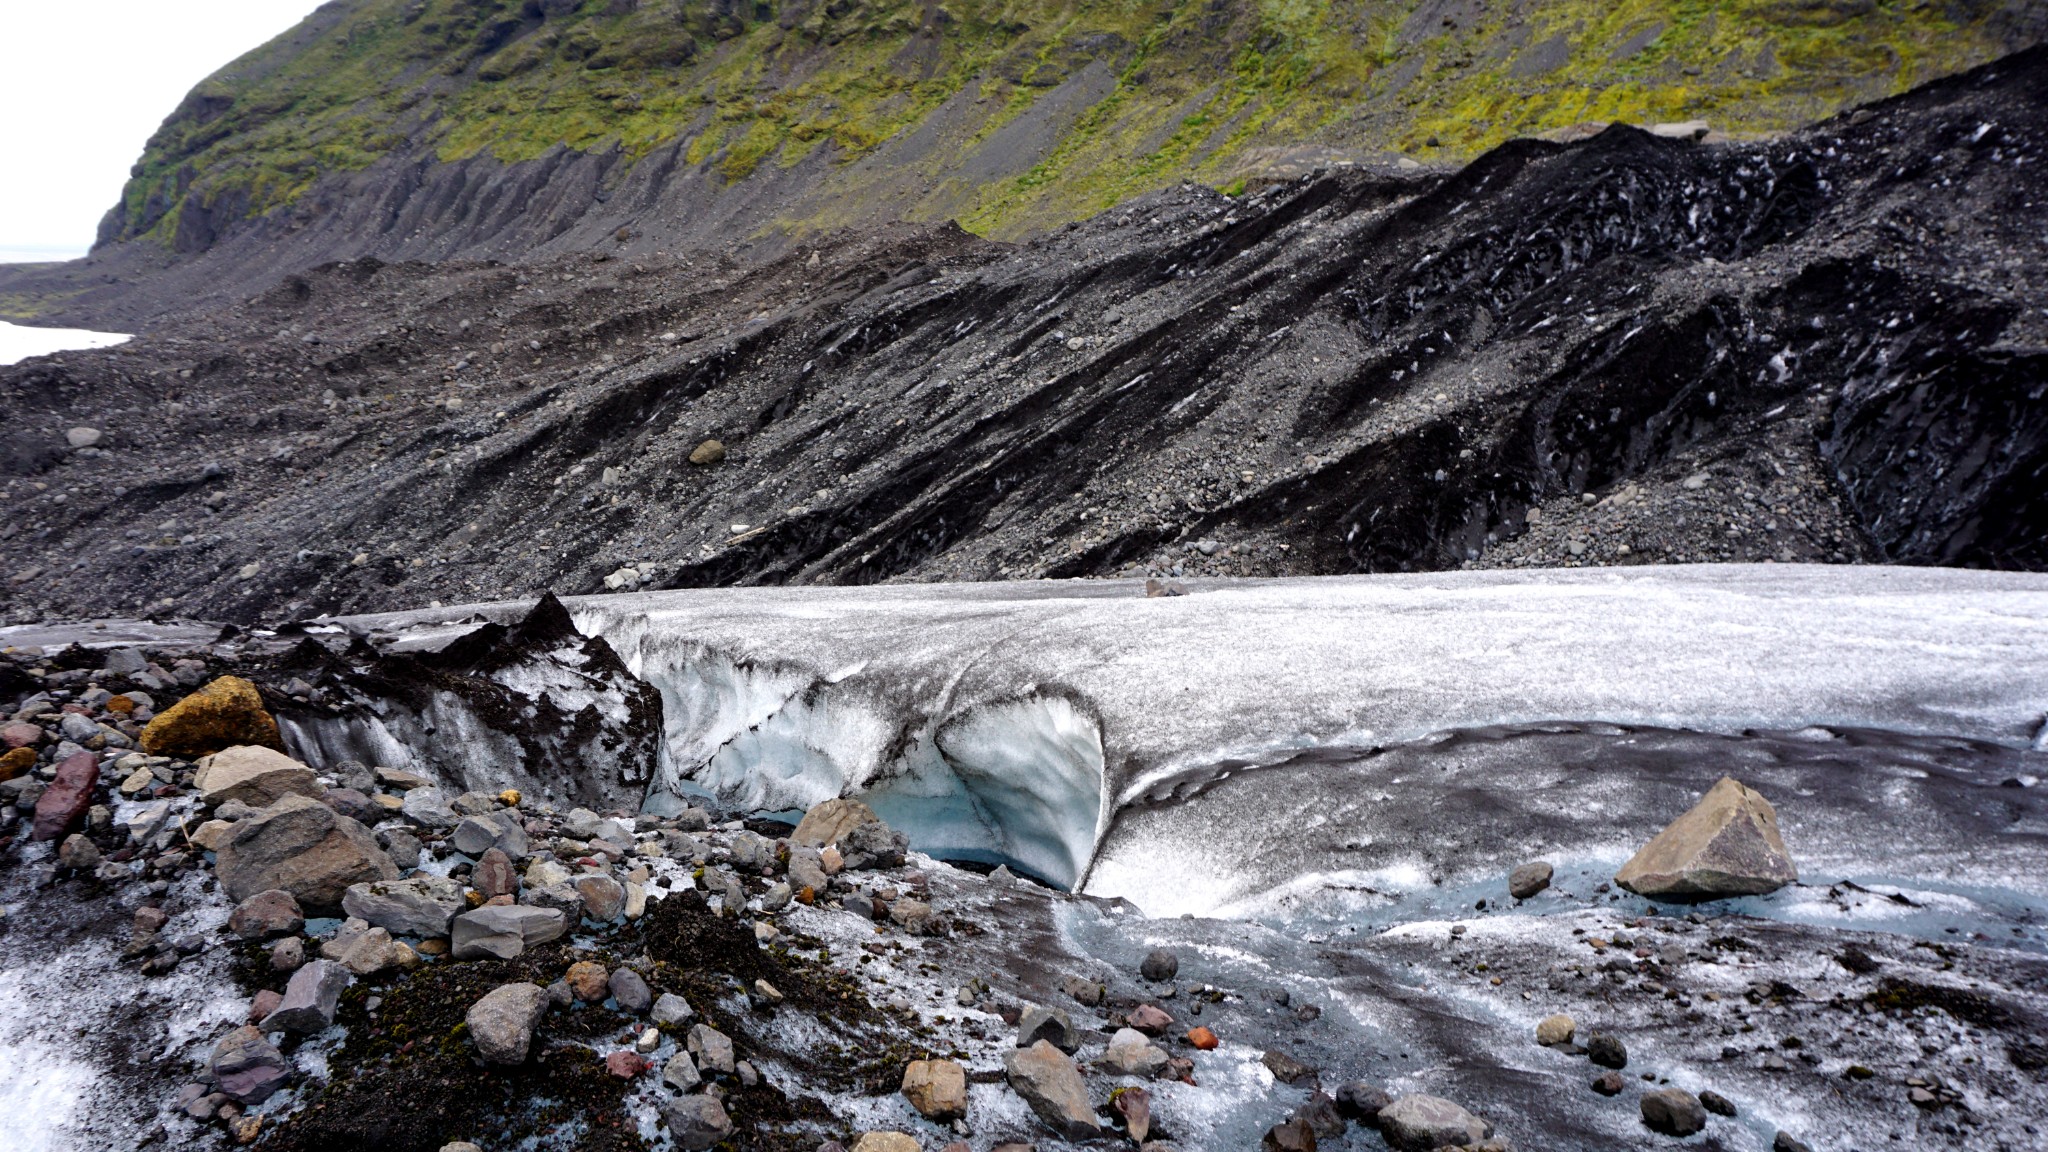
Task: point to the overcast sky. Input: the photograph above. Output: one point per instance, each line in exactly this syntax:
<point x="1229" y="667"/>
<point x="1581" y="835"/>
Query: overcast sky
<point x="83" y="83"/>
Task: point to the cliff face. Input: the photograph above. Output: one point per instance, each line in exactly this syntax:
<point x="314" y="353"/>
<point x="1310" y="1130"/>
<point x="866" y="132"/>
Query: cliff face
<point x="436" y="128"/>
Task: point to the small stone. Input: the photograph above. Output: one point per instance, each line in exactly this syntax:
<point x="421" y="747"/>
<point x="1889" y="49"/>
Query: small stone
<point x="937" y="1089"/>
<point x="1606" y="1051"/>
<point x="1673" y="1112"/>
<point x="696" y="1123"/>
<point x="247" y="1067"/>
<point x="1716" y="1103"/>
<point x="1362" y="1101"/>
<point x="626" y="1064"/>
<point x="61" y="808"/>
<point x="1150" y="1019"/>
<point x="429" y="808"/>
<point x="1726" y="845"/>
<point x="17" y="761"/>
<point x="1286" y="1069"/>
<point x="287" y="954"/>
<point x="1421" y="1123"/>
<point x="460" y="1146"/>
<point x="255" y="775"/>
<point x="501" y="1024"/>
<point x="1201" y="1039"/>
<point x="1050" y="1083"/>
<point x="227" y="712"/>
<point x="1529" y="879"/>
<point x="1553" y="1031"/>
<point x="1132" y="1053"/>
<point x="671" y="1009"/>
<point x="886" y="1142"/>
<point x="709" y="452"/>
<point x="1135" y="1106"/>
<point x="766" y="993"/>
<point x="1048" y="1024"/>
<point x="272" y="913"/>
<point x="1160" y="966"/>
<point x="589" y="981"/>
<point x="1609" y="1084"/>
<point x="1786" y="1142"/>
<point x="604" y="899"/>
<point x="630" y="991"/>
<point x="1085" y="992"/>
<point x="421" y="905"/>
<point x="680" y="1073"/>
<point x="1289" y="1136"/>
<point x="310" y="999"/>
<point x="494" y="875"/>
<point x="78" y="853"/>
<point x="711" y="1049"/>
<point x="501" y="832"/>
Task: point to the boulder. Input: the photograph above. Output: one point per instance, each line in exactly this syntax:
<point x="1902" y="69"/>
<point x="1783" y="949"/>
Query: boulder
<point x="1150" y="1019"/>
<point x="1160" y="965"/>
<point x="937" y="1089"/>
<point x="303" y="847"/>
<point x="696" y="1122"/>
<point x="310" y="999"/>
<point x="671" y="1009"/>
<point x="1552" y="1031"/>
<point x="711" y="1049"/>
<point x="1422" y="1123"/>
<point x="61" y="809"/>
<point x="604" y="899"/>
<point x="680" y="1073"/>
<point x="588" y="980"/>
<point x="1606" y="1051"/>
<point x="503" y="831"/>
<point x="494" y="875"/>
<point x="421" y="905"/>
<point x="1132" y="1053"/>
<point x="1050" y="1083"/>
<point x="247" y="1067"/>
<point x="503" y="931"/>
<point x="1674" y="1112"/>
<point x="428" y="807"/>
<point x="1048" y="1024"/>
<point x="1529" y="879"/>
<point x="227" y="712"/>
<point x="270" y="913"/>
<point x="255" y="775"/>
<point x="630" y="991"/>
<point x="863" y="840"/>
<point x="1726" y="845"/>
<point x="501" y="1024"/>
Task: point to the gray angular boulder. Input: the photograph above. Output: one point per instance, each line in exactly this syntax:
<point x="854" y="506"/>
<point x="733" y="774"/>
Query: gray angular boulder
<point x="711" y="1049"/>
<point x="310" y="999"/>
<point x="420" y="905"/>
<point x="503" y="931"/>
<point x="696" y="1122"/>
<point x="428" y="807"/>
<point x="1050" y="1083"/>
<point x="1132" y="1053"/>
<point x="1422" y="1123"/>
<point x="501" y="1024"/>
<point x="504" y="831"/>
<point x="1726" y="845"/>
<point x="303" y="847"/>
<point x="1048" y="1024"/>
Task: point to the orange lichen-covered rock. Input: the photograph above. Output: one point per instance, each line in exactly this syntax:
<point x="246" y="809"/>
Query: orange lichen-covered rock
<point x="227" y="712"/>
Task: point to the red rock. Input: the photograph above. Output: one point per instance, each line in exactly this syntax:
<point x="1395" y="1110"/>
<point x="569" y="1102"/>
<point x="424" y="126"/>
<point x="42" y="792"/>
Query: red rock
<point x="64" y="803"/>
<point x="21" y="734"/>
<point x="494" y="875"/>
<point x="263" y="1004"/>
<point x="627" y="1064"/>
<point x="1202" y="1039"/>
<point x="1150" y="1019"/>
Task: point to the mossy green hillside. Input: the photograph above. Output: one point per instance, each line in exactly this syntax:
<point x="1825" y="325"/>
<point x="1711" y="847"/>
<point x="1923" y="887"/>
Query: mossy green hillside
<point x="1119" y="96"/>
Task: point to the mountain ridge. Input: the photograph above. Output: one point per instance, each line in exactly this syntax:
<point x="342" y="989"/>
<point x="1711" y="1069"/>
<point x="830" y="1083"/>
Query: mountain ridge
<point x="503" y="129"/>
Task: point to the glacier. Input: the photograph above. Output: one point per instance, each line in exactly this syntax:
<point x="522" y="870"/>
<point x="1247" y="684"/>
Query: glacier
<point x="1020" y="722"/>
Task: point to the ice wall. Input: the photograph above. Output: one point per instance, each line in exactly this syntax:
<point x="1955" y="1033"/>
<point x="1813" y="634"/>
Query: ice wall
<point x="982" y="710"/>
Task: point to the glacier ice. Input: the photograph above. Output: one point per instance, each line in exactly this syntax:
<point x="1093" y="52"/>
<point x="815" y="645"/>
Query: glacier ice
<point x="1018" y="720"/>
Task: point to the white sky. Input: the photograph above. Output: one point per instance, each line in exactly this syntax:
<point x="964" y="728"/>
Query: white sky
<point x="83" y="83"/>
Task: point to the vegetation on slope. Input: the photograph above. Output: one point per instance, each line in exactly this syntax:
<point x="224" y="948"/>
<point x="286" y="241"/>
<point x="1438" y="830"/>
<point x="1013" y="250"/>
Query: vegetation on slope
<point x="1136" y="94"/>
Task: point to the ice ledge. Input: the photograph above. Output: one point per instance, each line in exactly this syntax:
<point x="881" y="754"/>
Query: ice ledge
<point x="780" y="696"/>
